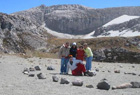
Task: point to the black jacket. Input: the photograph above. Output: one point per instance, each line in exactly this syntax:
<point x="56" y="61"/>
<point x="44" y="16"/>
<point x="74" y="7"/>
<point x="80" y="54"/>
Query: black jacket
<point x="73" y="51"/>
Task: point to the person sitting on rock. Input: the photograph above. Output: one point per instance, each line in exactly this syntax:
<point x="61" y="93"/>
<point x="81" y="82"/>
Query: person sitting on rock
<point x="77" y="67"/>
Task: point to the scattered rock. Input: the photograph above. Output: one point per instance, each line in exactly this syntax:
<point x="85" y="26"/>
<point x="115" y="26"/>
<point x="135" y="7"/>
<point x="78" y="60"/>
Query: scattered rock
<point x="31" y="75"/>
<point x="89" y="86"/>
<point x="139" y="74"/>
<point x="109" y="71"/>
<point x="122" y="86"/>
<point x="32" y="69"/>
<point x="55" y="78"/>
<point x="77" y="82"/>
<point x="38" y="68"/>
<point x="50" y="68"/>
<point x="120" y="66"/>
<point x="64" y="81"/>
<point x="135" y="84"/>
<point x="133" y="66"/>
<point x="103" y="84"/>
<point x="117" y="71"/>
<point x="97" y="70"/>
<point x="41" y="76"/>
<point x="130" y="73"/>
<point x="26" y="71"/>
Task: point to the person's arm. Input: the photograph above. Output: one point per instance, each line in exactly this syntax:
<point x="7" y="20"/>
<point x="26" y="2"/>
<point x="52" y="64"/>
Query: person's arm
<point x="78" y="61"/>
<point x="60" y="53"/>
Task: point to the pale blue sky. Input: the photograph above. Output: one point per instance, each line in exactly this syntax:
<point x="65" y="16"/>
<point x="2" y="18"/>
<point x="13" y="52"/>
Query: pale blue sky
<point x="10" y="6"/>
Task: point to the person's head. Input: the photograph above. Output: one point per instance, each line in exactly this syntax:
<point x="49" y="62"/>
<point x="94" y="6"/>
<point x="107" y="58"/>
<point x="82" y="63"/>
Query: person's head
<point x="70" y="57"/>
<point x="67" y="44"/>
<point x="85" y="45"/>
<point x="74" y="44"/>
<point x="81" y="47"/>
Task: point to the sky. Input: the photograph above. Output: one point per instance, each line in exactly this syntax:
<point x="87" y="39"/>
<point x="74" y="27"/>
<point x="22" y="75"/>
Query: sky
<point x="11" y="6"/>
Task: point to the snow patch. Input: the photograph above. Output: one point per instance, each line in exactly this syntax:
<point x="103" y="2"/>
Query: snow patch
<point x="62" y="35"/>
<point x="121" y="19"/>
<point x="125" y="33"/>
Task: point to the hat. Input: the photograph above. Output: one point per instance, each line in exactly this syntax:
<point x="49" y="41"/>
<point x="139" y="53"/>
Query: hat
<point x="70" y="56"/>
<point x="74" y="43"/>
<point x="85" y="44"/>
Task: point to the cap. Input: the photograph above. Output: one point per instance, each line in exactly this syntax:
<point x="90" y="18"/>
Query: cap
<point x="74" y="43"/>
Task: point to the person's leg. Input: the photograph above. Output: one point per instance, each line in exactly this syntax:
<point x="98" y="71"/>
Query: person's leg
<point x="65" y="64"/>
<point x="81" y="68"/>
<point x="62" y="65"/>
<point x="90" y="62"/>
<point x="87" y="63"/>
<point x="77" y="71"/>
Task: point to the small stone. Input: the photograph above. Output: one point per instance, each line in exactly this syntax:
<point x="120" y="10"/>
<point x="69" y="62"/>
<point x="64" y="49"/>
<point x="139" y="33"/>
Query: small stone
<point x="89" y="86"/>
<point x="50" y="68"/>
<point x="26" y="71"/>
<point x="55" y="78"/>
<point x="133" y="66"/>
<point x="32" y="69"/>
<point x="121" y="66"/>
<point x="130" y="73"/>
<point x="41" y="76"/>
<point x="64" y="81"/>
<point x="117" y="71"/>
<point x="77" y="82"/>
<point x="97" y="70"/>
<point x="109" y="71"/>
<point x="135" y="84"/>
<point x="103" y="84"/>
<point x="38" y="68"/>
<point x="31" y="75"/>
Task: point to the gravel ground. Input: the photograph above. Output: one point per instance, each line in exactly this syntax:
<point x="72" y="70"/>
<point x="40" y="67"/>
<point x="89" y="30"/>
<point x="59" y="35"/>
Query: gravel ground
<point x="14" y="82"/>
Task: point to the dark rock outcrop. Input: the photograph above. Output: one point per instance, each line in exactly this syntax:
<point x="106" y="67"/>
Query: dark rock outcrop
<point x="118" y="55"/>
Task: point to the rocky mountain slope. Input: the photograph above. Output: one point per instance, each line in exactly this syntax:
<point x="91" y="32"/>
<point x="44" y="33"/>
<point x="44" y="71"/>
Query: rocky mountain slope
<point x="75" y="19"/>
<point x="126" y="29"/>
<point x="18" y="33"/>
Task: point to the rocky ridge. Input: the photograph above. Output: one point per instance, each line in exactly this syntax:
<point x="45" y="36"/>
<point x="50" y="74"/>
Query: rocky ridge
<point x="19" y="33"/>
<point x="75" y="19"/>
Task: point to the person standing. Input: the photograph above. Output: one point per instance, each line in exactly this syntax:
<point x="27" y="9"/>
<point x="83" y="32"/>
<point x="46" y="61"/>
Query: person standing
<point x="89" y="57"/>
<point x="80" y="53"/>
<point x="64" y="55"/>
<point x="73" y="50"/>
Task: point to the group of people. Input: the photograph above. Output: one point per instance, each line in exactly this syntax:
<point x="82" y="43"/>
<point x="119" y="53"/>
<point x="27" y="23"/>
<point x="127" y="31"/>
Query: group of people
<point x="72" y="58"/>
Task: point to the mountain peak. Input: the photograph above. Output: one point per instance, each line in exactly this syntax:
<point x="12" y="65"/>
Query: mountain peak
<point x="42" y="6"/>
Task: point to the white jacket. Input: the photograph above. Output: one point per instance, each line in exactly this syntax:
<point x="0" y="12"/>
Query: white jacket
<point x="74" y="65"/>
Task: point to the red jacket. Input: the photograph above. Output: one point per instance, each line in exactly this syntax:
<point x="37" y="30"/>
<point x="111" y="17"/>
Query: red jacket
<point x="80" y="54"/>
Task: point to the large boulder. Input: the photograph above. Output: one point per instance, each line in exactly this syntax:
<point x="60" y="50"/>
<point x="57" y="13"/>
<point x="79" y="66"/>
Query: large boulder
<point x="77" y="82"/>
<point x="103" y="85"/>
